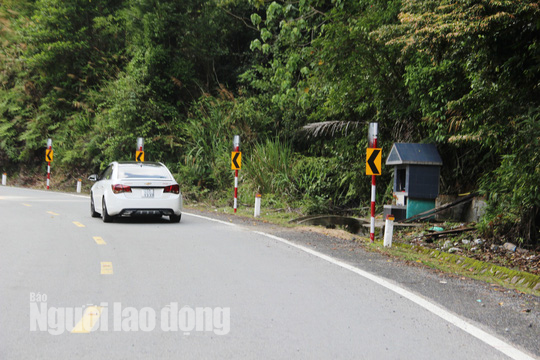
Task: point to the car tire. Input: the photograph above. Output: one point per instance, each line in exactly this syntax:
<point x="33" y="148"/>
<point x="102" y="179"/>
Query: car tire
<point x="93" y="211"/>
<point x="175" y="218"/>
<point x="104" y="214"/>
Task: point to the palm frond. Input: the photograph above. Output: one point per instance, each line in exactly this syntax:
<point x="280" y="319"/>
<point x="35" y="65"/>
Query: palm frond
<point x="326" y="128"/>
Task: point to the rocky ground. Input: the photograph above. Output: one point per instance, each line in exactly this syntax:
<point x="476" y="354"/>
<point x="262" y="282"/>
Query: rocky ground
<point x="470" y="243"/>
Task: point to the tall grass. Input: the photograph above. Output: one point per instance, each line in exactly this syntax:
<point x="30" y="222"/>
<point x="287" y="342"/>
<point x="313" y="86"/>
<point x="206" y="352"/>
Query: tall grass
<point x="208" y="134"/>
<point x="269" y="167"/>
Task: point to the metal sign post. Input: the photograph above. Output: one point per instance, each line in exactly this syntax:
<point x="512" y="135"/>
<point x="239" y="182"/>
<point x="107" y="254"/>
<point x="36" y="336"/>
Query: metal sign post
<point x="49" y="158"/>
<point x="236" y="149"/>
<point x="372" y="140"/>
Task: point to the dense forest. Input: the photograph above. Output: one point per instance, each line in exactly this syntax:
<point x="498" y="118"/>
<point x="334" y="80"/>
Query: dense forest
<point x="299" y="81"/>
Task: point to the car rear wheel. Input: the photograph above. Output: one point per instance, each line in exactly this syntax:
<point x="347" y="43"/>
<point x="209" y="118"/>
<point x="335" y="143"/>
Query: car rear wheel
<point x="93" y="207"/>
<point x="175" y="218"/>
<point x="104" y="214"/>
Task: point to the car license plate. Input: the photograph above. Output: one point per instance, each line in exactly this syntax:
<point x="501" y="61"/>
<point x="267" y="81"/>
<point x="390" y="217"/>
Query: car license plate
<point x="148" y="193"/>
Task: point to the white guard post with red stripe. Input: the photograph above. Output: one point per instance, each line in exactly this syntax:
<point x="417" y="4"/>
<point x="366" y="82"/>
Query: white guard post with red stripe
<point x="373" y="144"/>
<point x="49" y="147"/>
<point x="235" y="190"/>
<point x="140" y="147"/>
<point x="236" y="147"/>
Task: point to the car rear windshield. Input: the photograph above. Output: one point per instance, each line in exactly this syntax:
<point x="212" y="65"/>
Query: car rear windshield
<point x="143" y="172"/>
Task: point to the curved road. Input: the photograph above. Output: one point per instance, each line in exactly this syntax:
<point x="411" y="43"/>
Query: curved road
<point x="111" y="291"/>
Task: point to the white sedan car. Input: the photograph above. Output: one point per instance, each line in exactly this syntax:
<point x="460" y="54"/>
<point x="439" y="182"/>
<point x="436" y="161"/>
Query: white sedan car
<point x="135" y="188"/>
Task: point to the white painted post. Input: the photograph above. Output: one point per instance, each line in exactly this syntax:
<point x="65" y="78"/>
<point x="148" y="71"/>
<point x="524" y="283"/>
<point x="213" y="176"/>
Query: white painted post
<point x="388" y="231"/>
<point x="372" y="139"/>
<point x="139" y="151"/>
<point x="49" y="146"/>
<point x="4" y="179"/>
<point x="257" y="205"/>
<point x="79" y="182"/>
<point x="236" y="147"/>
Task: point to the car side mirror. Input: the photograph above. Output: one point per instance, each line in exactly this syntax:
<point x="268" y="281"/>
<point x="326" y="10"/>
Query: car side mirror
<point x="93" y="177"/>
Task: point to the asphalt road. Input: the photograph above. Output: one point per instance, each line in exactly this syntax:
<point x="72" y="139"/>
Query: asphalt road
<point x="237" y="292"/>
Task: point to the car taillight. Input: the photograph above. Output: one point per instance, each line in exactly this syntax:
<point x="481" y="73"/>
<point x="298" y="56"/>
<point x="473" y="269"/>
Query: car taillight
<point x="175" y="189"/>
<point x="119" y="188"/>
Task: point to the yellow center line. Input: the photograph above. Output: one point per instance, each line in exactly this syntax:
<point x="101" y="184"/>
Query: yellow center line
<point x="99" y="240"/>
<point x="78" y="224"/>
<point x="52" y="213"/>
<point x="27" y="205"/>
<point x="106" y="268"/>
<point x="89" y="319"/>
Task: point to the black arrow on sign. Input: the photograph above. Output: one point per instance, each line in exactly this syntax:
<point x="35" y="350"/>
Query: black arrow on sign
<point x="139" y="156"/>
<point x="371" y="162"/>
<point x="49" y="156"/>
<point x="236" y="165"/>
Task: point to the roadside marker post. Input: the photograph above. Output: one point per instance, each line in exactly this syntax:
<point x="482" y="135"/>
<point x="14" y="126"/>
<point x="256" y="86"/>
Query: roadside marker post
<point x="257" y="212"/>
<point x="388" y="231"/>
<point x="139" y="153"/>
<point x="49" y="158"/>
<point x="4" y="179"/>
<point x="372" y="141"/>
<point x="236" y="165"/>
<point x="79" y="183"/>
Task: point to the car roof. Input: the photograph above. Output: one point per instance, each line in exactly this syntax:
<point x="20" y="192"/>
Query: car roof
<point x="146" y="163"/>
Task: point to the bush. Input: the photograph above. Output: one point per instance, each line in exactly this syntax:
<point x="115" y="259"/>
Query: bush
<point x="208" y="135"/>
<point x="513" y="189"/>
<point x="324" y="184"/>
<point x="268" y="167"/>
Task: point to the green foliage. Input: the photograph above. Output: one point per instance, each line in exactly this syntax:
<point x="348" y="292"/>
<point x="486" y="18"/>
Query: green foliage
<point x="268" y="167"/>
<point x="473" y="66"/>
<point x="188" y="75"/>
<point x="326" y="184"/>
<point x="313" y="177"/>
<point x="55" y="58"/>
<point x="515" y="196"/>
<point x="94" y="75"/>
<point x="321" y="63"/>
<point x="473" y="73"/>
<point x="208" y="138"/>
<point x="129" y="110"/>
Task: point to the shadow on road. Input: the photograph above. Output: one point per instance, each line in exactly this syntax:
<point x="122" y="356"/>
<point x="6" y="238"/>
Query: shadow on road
<point x="142" y="220"/>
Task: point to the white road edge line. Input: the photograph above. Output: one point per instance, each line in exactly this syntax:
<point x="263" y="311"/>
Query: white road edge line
<point x="51" y="192"/>
<point x="489" y="339"/>
<point x="455" y="320"/>
<point x="209" y="218"/>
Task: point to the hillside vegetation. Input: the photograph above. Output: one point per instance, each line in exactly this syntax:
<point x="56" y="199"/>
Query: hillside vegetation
<point x="298" y="80"/>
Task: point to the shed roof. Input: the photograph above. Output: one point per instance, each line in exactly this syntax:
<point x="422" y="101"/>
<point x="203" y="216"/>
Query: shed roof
<point x="418" y="154"/>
